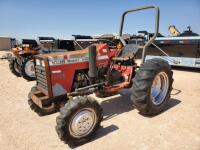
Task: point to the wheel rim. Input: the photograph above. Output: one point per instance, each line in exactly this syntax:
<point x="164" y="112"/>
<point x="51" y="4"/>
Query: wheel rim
<point x="159" y="88"/>
<point x="29" y="68"/>
<point x="82" y="123"/>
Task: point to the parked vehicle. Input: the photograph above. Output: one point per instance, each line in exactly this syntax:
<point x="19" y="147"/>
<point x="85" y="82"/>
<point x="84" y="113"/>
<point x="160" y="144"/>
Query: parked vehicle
<point x="65" y="80"/>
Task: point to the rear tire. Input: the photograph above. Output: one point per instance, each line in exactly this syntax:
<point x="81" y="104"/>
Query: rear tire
<point x="152" y="86"/>
<point x="78" y="120"/>
<point x="40" y="111"/>
<point x="13" y="66"/>
<point x="27" y="69"/>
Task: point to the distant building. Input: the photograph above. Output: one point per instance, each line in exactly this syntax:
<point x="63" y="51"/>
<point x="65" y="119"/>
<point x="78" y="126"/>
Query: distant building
<point x="6" y="43"/>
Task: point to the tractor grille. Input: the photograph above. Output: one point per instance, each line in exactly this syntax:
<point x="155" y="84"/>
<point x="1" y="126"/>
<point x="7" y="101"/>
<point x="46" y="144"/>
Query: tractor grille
<point x="41" y="77"/>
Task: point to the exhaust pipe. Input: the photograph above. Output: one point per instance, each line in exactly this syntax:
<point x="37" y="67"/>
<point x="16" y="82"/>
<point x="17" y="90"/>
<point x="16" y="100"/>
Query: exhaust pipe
<point x="92" y="63"/>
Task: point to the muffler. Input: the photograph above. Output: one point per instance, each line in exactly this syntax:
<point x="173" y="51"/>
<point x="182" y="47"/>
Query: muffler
<point x="93" y="73"/>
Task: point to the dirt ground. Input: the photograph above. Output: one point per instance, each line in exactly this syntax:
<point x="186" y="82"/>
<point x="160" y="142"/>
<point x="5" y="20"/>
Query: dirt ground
<point x="123" y="128"/>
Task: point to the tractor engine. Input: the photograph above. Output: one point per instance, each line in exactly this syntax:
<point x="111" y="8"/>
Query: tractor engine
<point x="80" y="80"/>
<point x="97" y="75"/>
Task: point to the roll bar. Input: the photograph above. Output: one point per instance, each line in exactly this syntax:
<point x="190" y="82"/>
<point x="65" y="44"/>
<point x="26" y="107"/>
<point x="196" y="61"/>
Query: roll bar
<point x="157" y="15"/>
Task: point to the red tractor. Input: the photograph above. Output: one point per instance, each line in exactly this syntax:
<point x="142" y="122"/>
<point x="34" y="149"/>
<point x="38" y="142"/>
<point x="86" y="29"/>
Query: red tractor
<point x="65" y="81"/>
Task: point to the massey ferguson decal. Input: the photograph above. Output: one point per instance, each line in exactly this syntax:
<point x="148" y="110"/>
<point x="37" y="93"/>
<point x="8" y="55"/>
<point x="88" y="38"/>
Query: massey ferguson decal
<point x="72" y="58"/>
<point x="56" y="60"/>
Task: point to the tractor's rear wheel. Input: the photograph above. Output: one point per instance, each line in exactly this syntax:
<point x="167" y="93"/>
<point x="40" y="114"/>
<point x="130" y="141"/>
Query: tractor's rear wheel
<point x="152" y="86"/>
<point x="14" y="68"/>
<point x="78" y="120"/>
<point x="40" y="111"/>
<point x="27" y="69"/>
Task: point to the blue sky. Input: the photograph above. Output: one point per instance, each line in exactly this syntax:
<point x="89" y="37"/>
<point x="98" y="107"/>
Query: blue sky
<point x="62" y="18"/>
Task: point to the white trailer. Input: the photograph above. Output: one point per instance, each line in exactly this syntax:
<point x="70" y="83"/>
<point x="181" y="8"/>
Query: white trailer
<point x="183" y="51"/>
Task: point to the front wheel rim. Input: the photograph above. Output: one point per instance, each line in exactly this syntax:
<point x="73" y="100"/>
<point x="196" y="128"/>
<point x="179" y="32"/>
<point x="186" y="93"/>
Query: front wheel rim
<point x="29" y="69"/>
<point x="83" y="123"/>
<point x="159" y="88"/>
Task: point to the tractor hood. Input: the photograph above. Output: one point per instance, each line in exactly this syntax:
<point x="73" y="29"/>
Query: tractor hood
<point x="58" y="69"/>
<point x="77" y="55"/>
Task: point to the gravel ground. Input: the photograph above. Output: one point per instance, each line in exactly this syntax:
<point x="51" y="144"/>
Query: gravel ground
<point x="178" y="127"/>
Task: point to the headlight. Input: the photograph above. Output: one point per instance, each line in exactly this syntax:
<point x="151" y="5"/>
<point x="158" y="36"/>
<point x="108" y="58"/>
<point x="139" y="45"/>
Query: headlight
<point x="37" y="62"/>
<point x="42" y="63"/>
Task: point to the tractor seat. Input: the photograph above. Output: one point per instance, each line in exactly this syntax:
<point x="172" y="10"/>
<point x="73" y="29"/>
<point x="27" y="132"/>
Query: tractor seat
<point x="128" y="52"/>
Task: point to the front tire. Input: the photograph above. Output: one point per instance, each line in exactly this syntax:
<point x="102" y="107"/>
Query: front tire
<point x="14" y="68"/>
<point x="152" y="86"/>
<point x="40" y="111"/>
<point x="78" y="120"/>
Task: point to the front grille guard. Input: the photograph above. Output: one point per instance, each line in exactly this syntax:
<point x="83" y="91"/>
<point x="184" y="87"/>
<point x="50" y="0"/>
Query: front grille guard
<point x="43" y="79"/>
